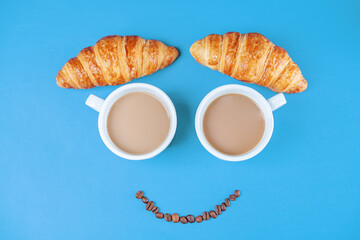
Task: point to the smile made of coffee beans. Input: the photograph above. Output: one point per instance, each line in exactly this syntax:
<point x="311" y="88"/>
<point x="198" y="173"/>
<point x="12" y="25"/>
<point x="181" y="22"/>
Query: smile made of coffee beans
<point x="150" y="206"/>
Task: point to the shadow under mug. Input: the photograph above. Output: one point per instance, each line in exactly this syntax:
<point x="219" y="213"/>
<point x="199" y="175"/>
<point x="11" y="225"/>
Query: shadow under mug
<point x="266" y="107"/>
<point x="104" y="106"/>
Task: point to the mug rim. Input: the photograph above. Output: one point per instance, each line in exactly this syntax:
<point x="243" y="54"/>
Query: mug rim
<point x="122" y="91"/>
<point x="260" y="101"/>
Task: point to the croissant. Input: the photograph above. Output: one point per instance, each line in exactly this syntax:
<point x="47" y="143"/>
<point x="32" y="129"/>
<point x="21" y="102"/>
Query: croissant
<point x="115" y="60"/>
<point x="251" y="58"/>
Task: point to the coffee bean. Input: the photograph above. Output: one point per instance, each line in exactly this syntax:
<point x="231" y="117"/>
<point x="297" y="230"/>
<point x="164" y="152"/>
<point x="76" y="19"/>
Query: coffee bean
<point x="217" y="210"/>
<point x="183" y="220"/>
<point x="232" y="197"/>
<point x="206" y="216"/>
<point x="190" y="218"/>
<point x="149" y="206"/>
<point x="139" y="194"/>
<point x="155" y="209"/>
<point x="223" y="207"/>
<point x="175" y="217"/>
<point x="227" y="202"/>
<point x="167" y="217"/>
<point x="144" y="200"/>
<point x="212" y="214"/>
<point x="237" y="193"/>
<point x="199" y="219"/>
<point x="159" y="215"/>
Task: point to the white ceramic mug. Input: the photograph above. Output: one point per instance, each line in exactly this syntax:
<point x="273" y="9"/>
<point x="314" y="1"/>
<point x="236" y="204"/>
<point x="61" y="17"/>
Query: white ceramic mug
<point x="266" y="106"/>
<point x="104" y="106"/>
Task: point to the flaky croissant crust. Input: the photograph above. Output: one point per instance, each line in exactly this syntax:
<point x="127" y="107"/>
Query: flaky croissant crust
<point x="251" y="58"/>
<point x="115" y="60"/>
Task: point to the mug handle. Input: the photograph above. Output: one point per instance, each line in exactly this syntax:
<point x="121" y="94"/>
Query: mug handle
<point x="277" y="101"/>
<point x="94" y="102"/>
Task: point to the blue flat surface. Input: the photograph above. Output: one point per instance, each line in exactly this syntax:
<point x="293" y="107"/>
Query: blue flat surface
<point x="59" y="181"/>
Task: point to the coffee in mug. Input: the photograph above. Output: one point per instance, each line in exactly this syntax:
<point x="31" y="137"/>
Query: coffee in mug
<point x="233" y="124"/>
<point x="138" y="123"/>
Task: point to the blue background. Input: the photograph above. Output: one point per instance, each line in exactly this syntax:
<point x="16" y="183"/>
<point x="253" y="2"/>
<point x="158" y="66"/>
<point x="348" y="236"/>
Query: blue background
<point x="59" y="181"/>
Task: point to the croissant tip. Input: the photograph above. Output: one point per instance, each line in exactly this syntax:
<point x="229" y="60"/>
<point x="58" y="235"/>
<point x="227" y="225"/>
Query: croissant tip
<point x="304" y="87"/>
<point x="197" y="51"/>
<point x="176" y="52"/>
<point x="62" y="85"/>
<point x="60" y="80"/>
<point x="299" y="87"/>
<point x="173" y="54"/>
